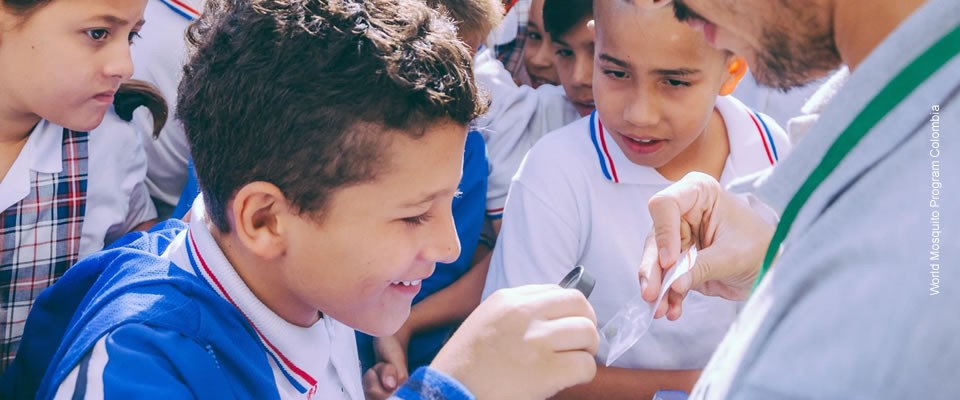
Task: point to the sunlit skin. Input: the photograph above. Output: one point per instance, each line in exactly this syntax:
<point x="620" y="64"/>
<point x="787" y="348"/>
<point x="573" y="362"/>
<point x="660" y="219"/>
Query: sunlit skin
<point x="362" y="258"/>
<point x="789" y="43"/>
<point x="64" y="62"/>
<point x="537" y="49"/>
<point x="656" y="96"/>
<point x="574" y="60"/>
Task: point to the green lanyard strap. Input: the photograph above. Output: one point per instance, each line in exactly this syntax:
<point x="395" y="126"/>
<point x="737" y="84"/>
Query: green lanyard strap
<point x="914" y="75"/>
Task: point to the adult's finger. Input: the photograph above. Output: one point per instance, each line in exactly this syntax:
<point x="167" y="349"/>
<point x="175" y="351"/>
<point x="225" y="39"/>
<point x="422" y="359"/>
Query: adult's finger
<point x="651" y="273"/>
<point x="680" y="205"/>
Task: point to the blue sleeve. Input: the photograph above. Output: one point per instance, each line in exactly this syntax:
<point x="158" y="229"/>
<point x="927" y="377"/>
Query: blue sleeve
<point x="469" y="209"/>
<point x="137" y="361"/>
<point x="52" y="312"/>
<point x="190" y="192"/>
<point x="429" y="384"/>
<point x="468" y="214"/>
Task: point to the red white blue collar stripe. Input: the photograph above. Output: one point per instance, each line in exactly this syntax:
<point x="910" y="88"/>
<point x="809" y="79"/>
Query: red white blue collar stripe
<point x="766" y="137"/>
<point x="609" y="169"/>
<point x="600" y="145"/>
<point x="182" y="8"/>
<point x="298" y="378"/>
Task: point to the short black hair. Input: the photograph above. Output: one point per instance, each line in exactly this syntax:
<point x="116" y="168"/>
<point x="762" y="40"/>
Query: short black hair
<point x="559" y="16"/>
<point x="304" y="94"/>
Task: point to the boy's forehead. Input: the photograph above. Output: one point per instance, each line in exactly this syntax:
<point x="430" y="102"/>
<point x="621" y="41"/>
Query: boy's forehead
<point x="626" y="31"/>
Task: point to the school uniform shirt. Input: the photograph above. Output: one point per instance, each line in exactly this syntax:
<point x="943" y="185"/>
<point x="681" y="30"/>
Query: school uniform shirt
<point x="67" y="195"/>
<point x="158" y="58"/>
<point x="774" y="103"/>
<point x="316" y="362"/>
<point x="861" y="302"/>
<point x="578" y="200"/>
<point x="517" y="118"/>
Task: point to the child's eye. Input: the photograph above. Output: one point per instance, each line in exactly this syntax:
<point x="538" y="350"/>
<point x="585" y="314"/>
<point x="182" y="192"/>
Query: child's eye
<point x="98" y="34"/>
<point x="615" y="74"/>
<point x="563" y="53"/>
<point x="677" y="83"/>
<point x="417" y="220"/>
<point x="534" y="36"/>
<point x="133" y="36"/>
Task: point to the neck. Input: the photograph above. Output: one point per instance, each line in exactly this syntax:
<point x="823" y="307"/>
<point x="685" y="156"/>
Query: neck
<point x="860" y="25"/>
<point x="15" y="127"/>
<point x="258" y="275"/>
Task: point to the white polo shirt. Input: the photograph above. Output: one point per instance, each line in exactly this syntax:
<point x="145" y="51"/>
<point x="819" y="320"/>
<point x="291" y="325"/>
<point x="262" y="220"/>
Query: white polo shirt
<point x="577" y="199"/>
<point x="158" y="58"/>
<point x="117" y="198"/>
<point x="518" y="117"/>
<point x="321" y="358"/>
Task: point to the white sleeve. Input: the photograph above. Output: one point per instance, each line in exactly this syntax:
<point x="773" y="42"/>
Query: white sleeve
<point x="140" y="207"/>
<point x="158" y="58"/>
<point x="116" y="193"/>
<point x="518" y="117"/>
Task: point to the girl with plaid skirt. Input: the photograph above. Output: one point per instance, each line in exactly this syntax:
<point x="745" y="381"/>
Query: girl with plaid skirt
<point x="66" y="188"/>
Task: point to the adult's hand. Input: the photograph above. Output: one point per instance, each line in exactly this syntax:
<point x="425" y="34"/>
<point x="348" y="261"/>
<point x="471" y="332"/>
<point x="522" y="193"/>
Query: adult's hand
<point x="730" y="236"/>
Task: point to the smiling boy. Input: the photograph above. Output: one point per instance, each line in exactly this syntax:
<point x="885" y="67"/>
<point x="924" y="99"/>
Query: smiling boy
<point x="328" y="141"/>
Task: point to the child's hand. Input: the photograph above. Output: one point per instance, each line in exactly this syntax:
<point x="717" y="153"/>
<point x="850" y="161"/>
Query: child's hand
<point x="380" y="381"/>
<point x="393" y="350"/>
<point x="527" y="342"/>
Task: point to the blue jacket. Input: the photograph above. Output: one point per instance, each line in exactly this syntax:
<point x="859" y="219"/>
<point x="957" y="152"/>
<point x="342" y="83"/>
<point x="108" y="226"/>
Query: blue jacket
<point x="182" y="338"/>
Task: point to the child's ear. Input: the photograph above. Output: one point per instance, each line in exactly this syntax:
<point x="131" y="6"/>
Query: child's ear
<point x="257" y="222"/>
<point x="737" y="69"/>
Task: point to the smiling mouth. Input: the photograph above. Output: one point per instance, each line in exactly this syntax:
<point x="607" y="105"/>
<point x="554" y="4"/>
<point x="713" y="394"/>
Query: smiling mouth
<point x="407" y="283"/>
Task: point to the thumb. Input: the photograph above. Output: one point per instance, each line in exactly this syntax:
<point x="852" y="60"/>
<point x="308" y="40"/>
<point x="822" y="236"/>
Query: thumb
<point x="388" y="376"/>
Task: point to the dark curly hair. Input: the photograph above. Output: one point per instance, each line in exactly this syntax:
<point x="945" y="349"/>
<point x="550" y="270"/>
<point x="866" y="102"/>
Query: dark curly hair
<point x="304" y="94"/>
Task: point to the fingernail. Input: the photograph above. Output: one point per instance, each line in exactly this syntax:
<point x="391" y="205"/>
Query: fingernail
<point x="643" y="284"/>
<point x="391" y="382"/>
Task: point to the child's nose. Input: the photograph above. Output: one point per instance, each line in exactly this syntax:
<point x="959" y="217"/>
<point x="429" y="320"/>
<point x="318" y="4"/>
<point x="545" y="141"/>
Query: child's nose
<point x="543" y="57"/>
<point x="583" y="72"/>
<point x="445" y="244"/>
<point x="119" y="62"/>
<point x="641" y="110"/>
